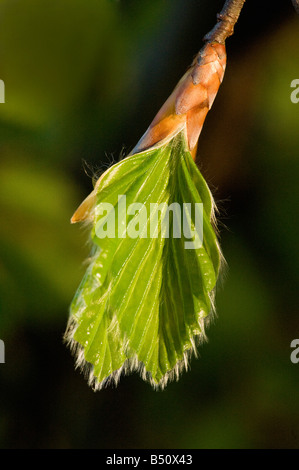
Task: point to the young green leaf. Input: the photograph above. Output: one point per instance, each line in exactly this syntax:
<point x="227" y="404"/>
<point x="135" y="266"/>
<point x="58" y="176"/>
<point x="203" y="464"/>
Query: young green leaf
<point x="144" y="301"/>
<point x="147" y="294"/>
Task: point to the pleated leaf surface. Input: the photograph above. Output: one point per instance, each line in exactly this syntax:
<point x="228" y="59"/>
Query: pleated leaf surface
<point x="143" y="301"/>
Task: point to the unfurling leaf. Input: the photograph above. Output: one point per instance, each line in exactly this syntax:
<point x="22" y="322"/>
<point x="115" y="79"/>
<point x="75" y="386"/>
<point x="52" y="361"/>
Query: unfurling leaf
<point x="147" y="294"/>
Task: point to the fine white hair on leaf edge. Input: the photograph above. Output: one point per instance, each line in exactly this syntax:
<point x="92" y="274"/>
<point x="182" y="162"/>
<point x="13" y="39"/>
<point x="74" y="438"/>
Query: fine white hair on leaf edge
<point x="130" y="365"/>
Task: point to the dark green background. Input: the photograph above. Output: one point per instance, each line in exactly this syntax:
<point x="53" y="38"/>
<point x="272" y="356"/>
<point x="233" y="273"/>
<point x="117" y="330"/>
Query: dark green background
<point x="83" y="80"/>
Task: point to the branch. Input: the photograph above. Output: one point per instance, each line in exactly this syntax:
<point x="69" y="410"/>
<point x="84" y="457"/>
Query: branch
<point x="226" y="21"/>
<point x="193" y="96"/>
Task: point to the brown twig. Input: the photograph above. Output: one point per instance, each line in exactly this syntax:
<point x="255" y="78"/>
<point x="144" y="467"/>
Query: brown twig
<point x="226" y="21"/>
<point x="192" y="98"/>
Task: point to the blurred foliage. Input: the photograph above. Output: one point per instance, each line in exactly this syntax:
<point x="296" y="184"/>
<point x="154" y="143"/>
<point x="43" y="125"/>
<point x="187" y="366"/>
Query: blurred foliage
<point x="83" y="80"/>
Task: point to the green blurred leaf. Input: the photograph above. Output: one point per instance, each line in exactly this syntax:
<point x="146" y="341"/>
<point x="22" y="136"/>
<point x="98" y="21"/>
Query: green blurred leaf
<point x="39" y="251"/>
<point x="48" y="54"/>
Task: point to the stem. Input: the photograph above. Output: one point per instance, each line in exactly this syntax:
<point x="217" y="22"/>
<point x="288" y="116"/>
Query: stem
<point x="226" y="21"/>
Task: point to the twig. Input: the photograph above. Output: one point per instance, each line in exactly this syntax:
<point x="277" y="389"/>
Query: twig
<point x="226" y="21"/>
